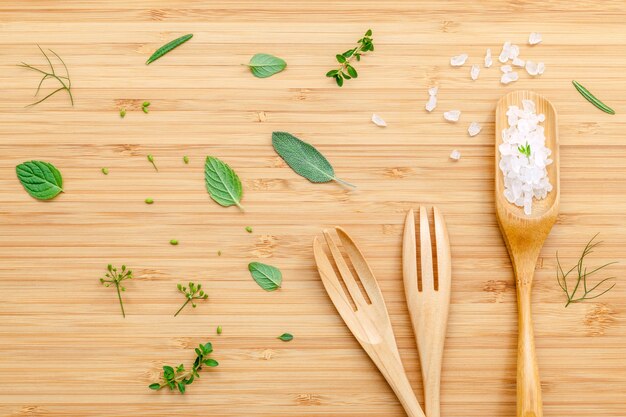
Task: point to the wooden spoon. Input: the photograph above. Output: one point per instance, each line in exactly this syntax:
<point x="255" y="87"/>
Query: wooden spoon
<point x="524" y="236"/>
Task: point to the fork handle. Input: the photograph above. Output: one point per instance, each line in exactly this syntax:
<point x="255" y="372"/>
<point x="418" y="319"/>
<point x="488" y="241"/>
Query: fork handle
<point x="528" y="384"/>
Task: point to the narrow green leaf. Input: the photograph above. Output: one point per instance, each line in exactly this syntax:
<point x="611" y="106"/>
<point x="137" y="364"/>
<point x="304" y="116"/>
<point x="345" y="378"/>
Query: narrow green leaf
<point x="181" y="387"/>
<point x="304" y="158"/>
<point x="265" y="65"/>
<point x="155" y="386"/>
<point x="40" y="179"/>
<point x="168" y="47"/>
<point x="339" y="80"/>
<point x="332" y="73"/>
<point x="268" y="277"/>
<point x="222" y="183"/>
<point x="286" y="337"/>
<point x="340" y="58"/>
<point x="352" y="71"/>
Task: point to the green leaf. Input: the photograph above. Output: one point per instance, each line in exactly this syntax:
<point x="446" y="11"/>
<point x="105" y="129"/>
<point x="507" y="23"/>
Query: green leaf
<point x="168" y="372"/>
<point x="40" y="179"/>
<point x="332" y="73"/>
<point x="168" y="47"/>
<point x="211" y="362"/>
<point x="348" y="54"/>
<point x="181" y="387"/>
<point x="369" y="32"/>
<point x="340" y="58"/>
<point x="268" y="277"/>
<point x="286" y="337"/>
<point x="339" y="80"/>
<point x="155" y="386"/>
<point x="265" y="65"/>
<point x="304" y="158"/>
<point x="352" y="71"/>
<point x="222" y="183"/>
<point x="208" y="347"/>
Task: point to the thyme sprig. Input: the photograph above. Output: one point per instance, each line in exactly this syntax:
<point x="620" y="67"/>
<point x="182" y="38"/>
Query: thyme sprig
<point x="179" y="377"/>
<point x="66" y="83"/>
<point x="194" y="292"/>
<point x="581" y="278"/>
<point x="346" y="71"/>
<point x="115" y="278"/>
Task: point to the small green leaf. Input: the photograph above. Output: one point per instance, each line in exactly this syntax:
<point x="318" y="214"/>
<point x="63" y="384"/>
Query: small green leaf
<point x="352" y="71"/>
<point x="369" y="32"/>
<point x="339" y="80"/>
<point x="168" y="372"/>
<point x="219" y="329"/>
<point x="340" y="58"/>
<point x="40" y="179"/>
<point x="332" y="73"/>
<point x="265" y="65"/>
<point x="181" y="387"/>
<point x="248" y="229"/>
<point x="155" y="386"/>
<point x="211" y="362"/>
<point x="222" y="183"/>
<point x="268" y="277"/>
<point x="168" y="47"/>
<point x="286" y="337"/>
<point x="186" y="159"/>
<point x="122" y="113"/>
<point x="349" y="53"/>
<point x="208" y="347"/>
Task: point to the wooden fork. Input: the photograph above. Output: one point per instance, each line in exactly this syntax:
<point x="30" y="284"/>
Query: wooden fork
<point x="368" y="320"/>
<point x="428" y="306"/>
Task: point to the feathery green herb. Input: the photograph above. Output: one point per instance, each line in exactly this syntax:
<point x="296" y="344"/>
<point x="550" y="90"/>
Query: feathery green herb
<point x="303" y="158"/>
<point x="115" y="278"/>
<point x="194" y="292"/>
<point x="66" y="83"/>
<point x="592" y="99"/>
<point x="168" y="47"/>
<point x="179" y="377"/>
<point x="346" y="71"/>
<point x="524" y="149"/>
<point x="40" y="179"/>
<point x="151" y="160"/>
<point x="286" y="337"/>
<point x="581" y="277"/>
<point x="265" y="65"/>
<point x="222" y="183"/>
<point x="267" y="276"/>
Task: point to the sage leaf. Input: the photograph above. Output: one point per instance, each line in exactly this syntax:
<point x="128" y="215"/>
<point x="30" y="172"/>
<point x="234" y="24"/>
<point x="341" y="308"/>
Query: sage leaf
<point x="304" y="158"/>
<point x="286" y="337"/>
<point x="268" y="277"/>
<point x="222" y="183"/>
<point x="40" y="179"/>
<point x="265" y="65"/>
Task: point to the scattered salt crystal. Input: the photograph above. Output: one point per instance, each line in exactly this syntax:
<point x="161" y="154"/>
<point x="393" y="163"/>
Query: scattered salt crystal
<point x="514" y="52"/>
<point x="541" y="67"/>
<point x="534" y="38"/>
<point x="519" y="62"/>
<point x="488" y="59"/>
<point x="455" y="155"/>
<point x="509" y="77"/>
<point x="535" y="68"/>
<point x="474" y="72"/>
<point x="378" y="121"/>
<point x="432" y="91"/>
<point x="474" y="129"/>
<point x="525" y="176"/>
<point x="457" y="61"/>
<point x="432" y="98"/>
<point x="452" y="115"/>
<point x="506" y="68"/>
<point x="506" y="51"/>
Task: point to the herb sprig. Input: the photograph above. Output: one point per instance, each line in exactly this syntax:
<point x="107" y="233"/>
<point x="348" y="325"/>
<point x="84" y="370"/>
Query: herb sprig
<point x="524" y="150"/>
<point x="115" y="278"/>
<point x="179" y="377"/>
<point x="581" y="278"/>
<point x="346" y="71"/>
<point x="591" y="98"/>
<point x="66" y="83"/>
<point x="194" y="292"/>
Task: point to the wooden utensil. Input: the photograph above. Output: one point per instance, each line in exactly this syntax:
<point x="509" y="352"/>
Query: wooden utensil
<point x="364" y="312"/>
<point x="429" y="302"/>
<point x="524" y="236"/>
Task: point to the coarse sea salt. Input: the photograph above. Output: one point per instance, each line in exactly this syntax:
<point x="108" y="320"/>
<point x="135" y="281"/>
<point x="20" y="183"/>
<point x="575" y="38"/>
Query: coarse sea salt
<point x="474" y="129"/>
<point x="474" y="72"/>
<point x="525" y="177"/>
<point x="432" y="98"/>
<point x="506" y="52"/>
<point x="457" y="61"/>
<point x="488" y="59"/>
<point x="378" y="121"/>
<point x="509" y="77"/>
<point x="506" y="68"/>
<point x="535" y="68"/>
<point x="518" y="62"/>
<point x="452" y="115"/>
<point x="455" y="155"/>
<point x="534" y="38"/>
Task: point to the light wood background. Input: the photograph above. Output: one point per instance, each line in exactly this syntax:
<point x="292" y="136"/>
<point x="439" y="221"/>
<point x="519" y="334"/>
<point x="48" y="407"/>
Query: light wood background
<point x="65" y="349"/>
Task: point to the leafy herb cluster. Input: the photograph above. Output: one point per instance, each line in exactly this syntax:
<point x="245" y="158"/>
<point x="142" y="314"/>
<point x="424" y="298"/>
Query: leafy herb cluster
<point x="346" y="71"/>
<point x="524" y="149"/>
<point x="194" y="292"/>
<point x="115" y="278"/>
<point x="179" y="377"/>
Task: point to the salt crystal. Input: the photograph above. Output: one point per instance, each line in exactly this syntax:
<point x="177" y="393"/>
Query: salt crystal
<point x="541" y="67"/>
<point x="378" y="121"/>
<point x="455" y="155"/>
<point x="535" y="68"/>
<point x="432" y="91"/>
<point x="488" y="59"/>
<point x="474" y="72"/>
<point x="534" y="38"/>
<point x="474" y="129"/>
<point x="519" y="62"/>
<point x="506" y="68"/>
<point x="514" y="52"/>
<point x="509" y="77"/>
<point x="457" y="61"/>
<point x="432" y="98"/>
<point x="506" y="51"/>
<point x="452" y="115"/>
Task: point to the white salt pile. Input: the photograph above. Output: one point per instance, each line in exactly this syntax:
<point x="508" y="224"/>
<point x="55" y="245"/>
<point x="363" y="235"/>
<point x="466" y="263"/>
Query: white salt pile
<point x="432" y="98"/>
<point x="524" y="157"/>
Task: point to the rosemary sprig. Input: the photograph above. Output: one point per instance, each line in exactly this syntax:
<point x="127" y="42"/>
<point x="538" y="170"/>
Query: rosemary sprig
<point x="346" y="71"/>
<point x="115" y="278"/>
<point x="524" y="150"/>
<point x="582" y="275"/>
<point x="66" y="83"/>
<point x="194" y="292"/>
<point x="591" y="98"/>
<point x="179" y="377"/>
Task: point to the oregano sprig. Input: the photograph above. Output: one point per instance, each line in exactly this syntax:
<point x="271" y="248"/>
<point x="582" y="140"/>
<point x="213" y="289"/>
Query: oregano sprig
<point x="179" y="377"/>
<point x="194" y="292"/>
<point x="64" y="80"/>
<point x="346" y="71"/>
<point x="115" y="278"/>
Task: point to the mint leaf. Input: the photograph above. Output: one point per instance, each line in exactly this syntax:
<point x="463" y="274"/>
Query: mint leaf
<point x="265" y="65"/>
<point x="268" y="277"/>
<point x="286" y="337"/>
<point x="222" y="183"/>
<point x="40" y="179"/>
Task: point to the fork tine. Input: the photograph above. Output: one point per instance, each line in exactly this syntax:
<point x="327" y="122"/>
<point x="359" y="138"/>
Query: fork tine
<point x="346" y="275"/>
<point x="409" y="257"/>
<point x="442" y="243"/>
<point x="329" y="278"/>
<point x="426" y="253"/>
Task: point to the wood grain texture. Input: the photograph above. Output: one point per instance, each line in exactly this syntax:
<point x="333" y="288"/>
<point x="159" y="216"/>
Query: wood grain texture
<point x="66" y="351"/>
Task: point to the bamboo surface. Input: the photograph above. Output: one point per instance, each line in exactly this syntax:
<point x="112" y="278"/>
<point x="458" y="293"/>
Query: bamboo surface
<point x="65" y="349"/>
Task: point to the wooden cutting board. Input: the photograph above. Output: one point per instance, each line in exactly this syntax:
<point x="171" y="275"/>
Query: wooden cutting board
<point x="66" y="351"/>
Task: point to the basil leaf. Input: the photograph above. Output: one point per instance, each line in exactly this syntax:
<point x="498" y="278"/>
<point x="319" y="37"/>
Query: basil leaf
<point x="286" y="337"/>
<point x="222" y="183"/>
<point x="268" y="277"/>
<point x="304" y="158"/>
<point x="265" y="65"/>
<point x="40" y="179"/>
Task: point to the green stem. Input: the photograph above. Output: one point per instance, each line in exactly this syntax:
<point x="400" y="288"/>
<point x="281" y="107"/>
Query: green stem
<point x="117" y="287"/>
<point x="181" y="309"/>
<point x="342" y="182"/>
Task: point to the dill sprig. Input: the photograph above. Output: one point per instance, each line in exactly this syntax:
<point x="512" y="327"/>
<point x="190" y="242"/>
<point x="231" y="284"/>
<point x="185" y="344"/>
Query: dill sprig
<point x="581" y="278"/>
<point x="66" y="83"/>
<point x="115" y="278"/>
<point x="194" y="292"/>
